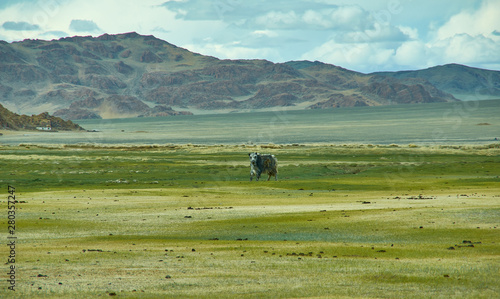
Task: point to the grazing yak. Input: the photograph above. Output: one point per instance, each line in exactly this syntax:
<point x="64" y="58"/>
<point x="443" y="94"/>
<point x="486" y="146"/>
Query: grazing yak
<point x="263" y="164"/>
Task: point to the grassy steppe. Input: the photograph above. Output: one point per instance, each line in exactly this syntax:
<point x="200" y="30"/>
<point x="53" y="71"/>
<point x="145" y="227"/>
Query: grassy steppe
<point x="185" y="221"/>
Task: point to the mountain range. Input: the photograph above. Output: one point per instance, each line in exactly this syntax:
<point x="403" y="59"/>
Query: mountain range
<point x="132" y="75"/>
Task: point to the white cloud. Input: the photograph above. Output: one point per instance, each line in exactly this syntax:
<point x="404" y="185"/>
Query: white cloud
<point x="342" y="17"/>
<point x="347" y="18"/>
<point x="467" y="49"/>
<point x="378" y="33"/>
<point x="316" y="18"/>
<point x="278" y="20"/>
<point x="367" y="57"/>
<point x="264" y="33"/>
<point x="469" y="37"/>
<point x="483" y="21"/>
<point x="353" y="17"/>
<point x="234" y="50"/>
<point x="411" y="54"/>
<point x="412" y="33"/>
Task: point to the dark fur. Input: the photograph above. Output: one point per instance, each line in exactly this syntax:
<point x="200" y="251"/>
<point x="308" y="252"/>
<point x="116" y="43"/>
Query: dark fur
<point x="263" y="164"/>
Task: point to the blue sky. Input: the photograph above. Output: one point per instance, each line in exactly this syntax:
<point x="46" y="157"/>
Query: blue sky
<point x="361" y="35"/>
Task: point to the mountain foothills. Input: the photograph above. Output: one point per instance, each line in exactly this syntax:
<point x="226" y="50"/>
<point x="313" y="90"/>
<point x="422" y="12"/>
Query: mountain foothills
<point x="43" y="121"/>
<point x="465" y="83"/>
<point x="130" y="75"/>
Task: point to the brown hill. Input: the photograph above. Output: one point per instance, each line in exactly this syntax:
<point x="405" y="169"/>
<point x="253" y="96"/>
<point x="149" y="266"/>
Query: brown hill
<point x="43" y="121"/>
<point x="128" y="75"/>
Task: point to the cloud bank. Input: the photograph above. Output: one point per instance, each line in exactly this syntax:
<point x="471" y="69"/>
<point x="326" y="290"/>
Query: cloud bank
<point x="83" y="26"/>
<point x="20" y="26"/>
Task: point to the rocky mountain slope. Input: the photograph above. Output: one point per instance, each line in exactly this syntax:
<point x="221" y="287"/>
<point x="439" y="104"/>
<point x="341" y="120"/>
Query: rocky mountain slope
<point x="43" y="121"/>
<point x="129" y="75"/>
<point x="465" y="83"/>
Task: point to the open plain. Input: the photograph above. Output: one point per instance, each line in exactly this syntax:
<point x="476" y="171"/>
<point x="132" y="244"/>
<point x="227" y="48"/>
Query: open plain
<point x="183" y="221"/>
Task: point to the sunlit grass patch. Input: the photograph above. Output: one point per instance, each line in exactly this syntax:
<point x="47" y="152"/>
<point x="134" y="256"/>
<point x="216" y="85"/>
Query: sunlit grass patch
<point x="181" y="222"/>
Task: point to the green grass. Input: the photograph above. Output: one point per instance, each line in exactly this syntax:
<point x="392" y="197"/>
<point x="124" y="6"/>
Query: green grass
<point x="185" y="221"/>
<point x="37" y="168"/>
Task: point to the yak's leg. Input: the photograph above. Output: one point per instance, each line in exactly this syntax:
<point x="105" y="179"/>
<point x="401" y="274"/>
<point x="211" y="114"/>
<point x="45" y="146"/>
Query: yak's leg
<point x="252" y="173"/>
